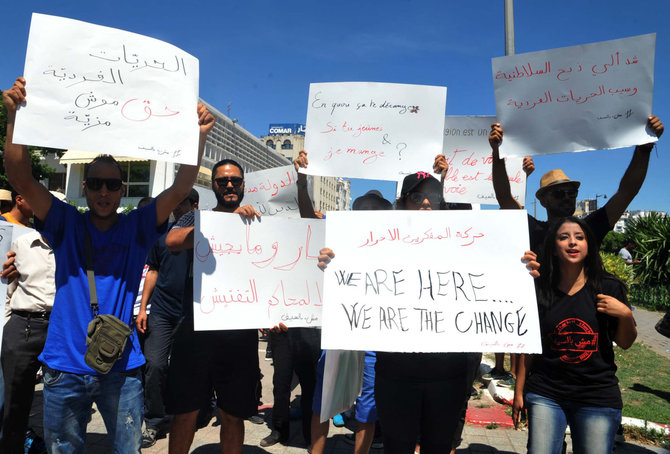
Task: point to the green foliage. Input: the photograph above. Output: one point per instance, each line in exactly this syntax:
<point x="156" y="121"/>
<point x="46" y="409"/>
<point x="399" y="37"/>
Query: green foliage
<point x="615" y="265"/>
<point x="652" y="297"/>
<point x="652" y="241"/>
<point x="647" y="435"/>
<point x="128" y="208"/>
<point x="613" y="242"/>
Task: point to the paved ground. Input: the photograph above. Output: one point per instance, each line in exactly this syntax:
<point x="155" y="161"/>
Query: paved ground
<point x="648" y="335"/>
<point x="476" y="439"/>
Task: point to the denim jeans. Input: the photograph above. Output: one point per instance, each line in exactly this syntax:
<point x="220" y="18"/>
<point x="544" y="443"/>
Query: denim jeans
<point x="592" y="428"/>
<point x="68" y="399"/>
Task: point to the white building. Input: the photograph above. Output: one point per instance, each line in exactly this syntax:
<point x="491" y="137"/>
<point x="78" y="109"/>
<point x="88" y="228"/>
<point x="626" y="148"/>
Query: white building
<point x="327" y="193"/>
<point x="628" y="216"/>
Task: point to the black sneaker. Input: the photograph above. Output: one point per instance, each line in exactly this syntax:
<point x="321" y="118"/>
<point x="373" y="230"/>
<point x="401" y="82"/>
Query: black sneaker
<point x="255" y="419"/>
<point x="271" y="439"/>
<point x="149" y="437"/>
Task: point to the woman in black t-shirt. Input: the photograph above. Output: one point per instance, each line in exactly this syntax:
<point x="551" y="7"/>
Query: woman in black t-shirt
<point x="582" y="310"/>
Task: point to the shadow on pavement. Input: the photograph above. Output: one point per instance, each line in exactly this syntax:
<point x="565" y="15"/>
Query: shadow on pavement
<point x="215" y="448"/>
<point x="481" y="448"/>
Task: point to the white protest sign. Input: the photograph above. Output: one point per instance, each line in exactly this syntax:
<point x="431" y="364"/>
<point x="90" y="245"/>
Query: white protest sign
<point x="256" y="274"/>
<point x="589" y="97"/>
<point x="273" y="192"/>
<point x="342" y="381"/>
<point x="467" y="150"/>
<point x="105" y="90"/>
<point x="429" y="281"/>
<point x="373" y="130"/>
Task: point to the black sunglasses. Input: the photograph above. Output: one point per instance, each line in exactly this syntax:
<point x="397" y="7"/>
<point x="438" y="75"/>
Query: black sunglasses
<point x="563" y="193"/>
<point x="417" y="198"/>
<point x="95" y="184"/>
<point x="223" y="181"/>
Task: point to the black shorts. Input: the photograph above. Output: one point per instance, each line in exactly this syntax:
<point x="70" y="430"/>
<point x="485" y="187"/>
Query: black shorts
<point x="222" y="361"/>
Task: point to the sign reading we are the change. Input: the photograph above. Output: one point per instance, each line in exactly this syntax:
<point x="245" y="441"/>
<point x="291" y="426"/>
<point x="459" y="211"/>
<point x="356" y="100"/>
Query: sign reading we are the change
<point x="440" y="281"/>
<point x="589" y="97"/>
<point x="273" y="192"/>
<point x="373" y="130"/>
<point x="105" y="90"/>
<point x="256" y="274"/>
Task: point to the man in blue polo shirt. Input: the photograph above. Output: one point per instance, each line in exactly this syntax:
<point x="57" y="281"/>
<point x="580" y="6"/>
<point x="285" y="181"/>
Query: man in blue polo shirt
<point x="119" y="244"/>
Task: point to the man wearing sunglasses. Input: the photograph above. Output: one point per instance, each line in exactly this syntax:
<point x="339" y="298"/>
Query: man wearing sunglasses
<point x="558" y="193"/>
<point x="207" y="361"/>
<point x="119" y="246"/>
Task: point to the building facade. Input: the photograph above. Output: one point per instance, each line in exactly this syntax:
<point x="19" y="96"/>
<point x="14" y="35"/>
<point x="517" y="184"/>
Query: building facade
<point x="227" y="140"/>
<point x="327" y="193"/>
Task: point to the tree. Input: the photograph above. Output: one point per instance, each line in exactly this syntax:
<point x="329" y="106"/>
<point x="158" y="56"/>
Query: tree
<point x="651" y="235"/>
<point x="40" y="169"/>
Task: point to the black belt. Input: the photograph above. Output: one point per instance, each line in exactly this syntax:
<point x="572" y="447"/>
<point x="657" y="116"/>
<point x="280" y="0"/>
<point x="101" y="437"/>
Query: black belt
<point x="28" y="314"/>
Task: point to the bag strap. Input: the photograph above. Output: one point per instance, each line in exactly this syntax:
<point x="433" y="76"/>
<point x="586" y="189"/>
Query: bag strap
<point x="90" y="273"/>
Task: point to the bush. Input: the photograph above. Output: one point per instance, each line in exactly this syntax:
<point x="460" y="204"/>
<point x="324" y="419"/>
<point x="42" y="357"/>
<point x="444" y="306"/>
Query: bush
<point x="652" y="241"/>
<point x="655" y="298"/>
<point x="613" y="242"/>
<point x="615" y="265"/>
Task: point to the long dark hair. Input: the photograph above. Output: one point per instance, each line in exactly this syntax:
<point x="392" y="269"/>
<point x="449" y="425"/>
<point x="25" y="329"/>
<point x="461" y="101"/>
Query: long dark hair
<point x="550" y="271"/>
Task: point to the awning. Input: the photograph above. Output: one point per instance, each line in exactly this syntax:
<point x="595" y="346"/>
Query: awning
<point x="84" y="157"/>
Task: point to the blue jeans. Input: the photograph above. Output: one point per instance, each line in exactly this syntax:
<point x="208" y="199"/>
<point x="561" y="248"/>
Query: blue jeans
<point x="592" y="428"/>
<point x="68" y="399"/>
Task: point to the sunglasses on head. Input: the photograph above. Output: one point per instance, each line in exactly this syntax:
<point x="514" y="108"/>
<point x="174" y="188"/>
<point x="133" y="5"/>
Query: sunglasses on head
<point x="235" y="181"/>
<point x="417" y="198"/>
<point x="95" y="184"/>
<point x="563" y="193"/>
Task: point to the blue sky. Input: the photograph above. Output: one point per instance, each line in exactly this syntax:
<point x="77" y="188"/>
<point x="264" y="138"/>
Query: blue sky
<point x="261" y="56"/>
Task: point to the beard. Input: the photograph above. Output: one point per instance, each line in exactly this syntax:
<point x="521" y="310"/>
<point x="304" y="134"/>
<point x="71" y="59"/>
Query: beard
<point x="229" y="204"/>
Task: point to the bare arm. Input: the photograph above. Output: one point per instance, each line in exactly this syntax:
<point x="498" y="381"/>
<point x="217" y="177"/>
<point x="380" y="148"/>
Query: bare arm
<point x="149" y="285"/>
<point x="186" y="176"/>
<point x="626" y="331"/>
<point x="304" y="202"/>
<point x="17" y="159"/>
<point x="632" y="180"/>
<point x="180" y="239"/>
<point x="523" y="365"/>
<point x="499" y="172"/>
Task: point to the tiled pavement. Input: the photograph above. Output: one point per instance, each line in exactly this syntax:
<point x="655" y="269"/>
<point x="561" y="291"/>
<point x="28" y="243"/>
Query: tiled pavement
<point x="476" y="439"/>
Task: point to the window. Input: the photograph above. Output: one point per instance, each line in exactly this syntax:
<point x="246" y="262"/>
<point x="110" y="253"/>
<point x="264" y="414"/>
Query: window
<point x="270" y="144"/>
<point x="287" y="145"/>
<point x="136" y="177"/>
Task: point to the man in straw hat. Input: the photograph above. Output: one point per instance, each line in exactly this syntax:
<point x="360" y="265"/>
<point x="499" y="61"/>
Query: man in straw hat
<point x="558" y="193"/>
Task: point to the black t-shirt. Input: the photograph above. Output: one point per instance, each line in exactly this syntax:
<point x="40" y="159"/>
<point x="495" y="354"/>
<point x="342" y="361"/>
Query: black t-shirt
<point x="577" y="363"/>
<point x="597" y="221"/>
<point x="421" y="366"/>
<point x="187" y="220"/>
<point x="173" y="270"/>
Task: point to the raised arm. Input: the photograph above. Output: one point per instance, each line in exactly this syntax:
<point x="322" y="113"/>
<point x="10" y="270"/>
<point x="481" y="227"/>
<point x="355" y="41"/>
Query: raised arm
<point x="499" y="172"/>
<point x="17" y="158"/>
<point x="632" y="180"/>
<point x="186" y="176"/>
<point x="304" y="202"/>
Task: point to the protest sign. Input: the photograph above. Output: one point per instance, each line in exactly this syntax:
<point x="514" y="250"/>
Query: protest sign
<point x="104" y="90"/>
<point x="589" y="97"/>
<point x="429" y="281"/>
<point x="273" y="192"/>
<point x="342" y="381"/>
<point x="256" y="274"/>
<point x="8" y="233"/>
<point x="373" y="130"/>
<point x="468" y="153"/>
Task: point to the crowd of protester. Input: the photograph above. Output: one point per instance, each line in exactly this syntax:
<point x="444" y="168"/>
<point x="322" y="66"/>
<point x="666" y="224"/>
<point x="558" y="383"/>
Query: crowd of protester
<point x="75" y="266"/>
